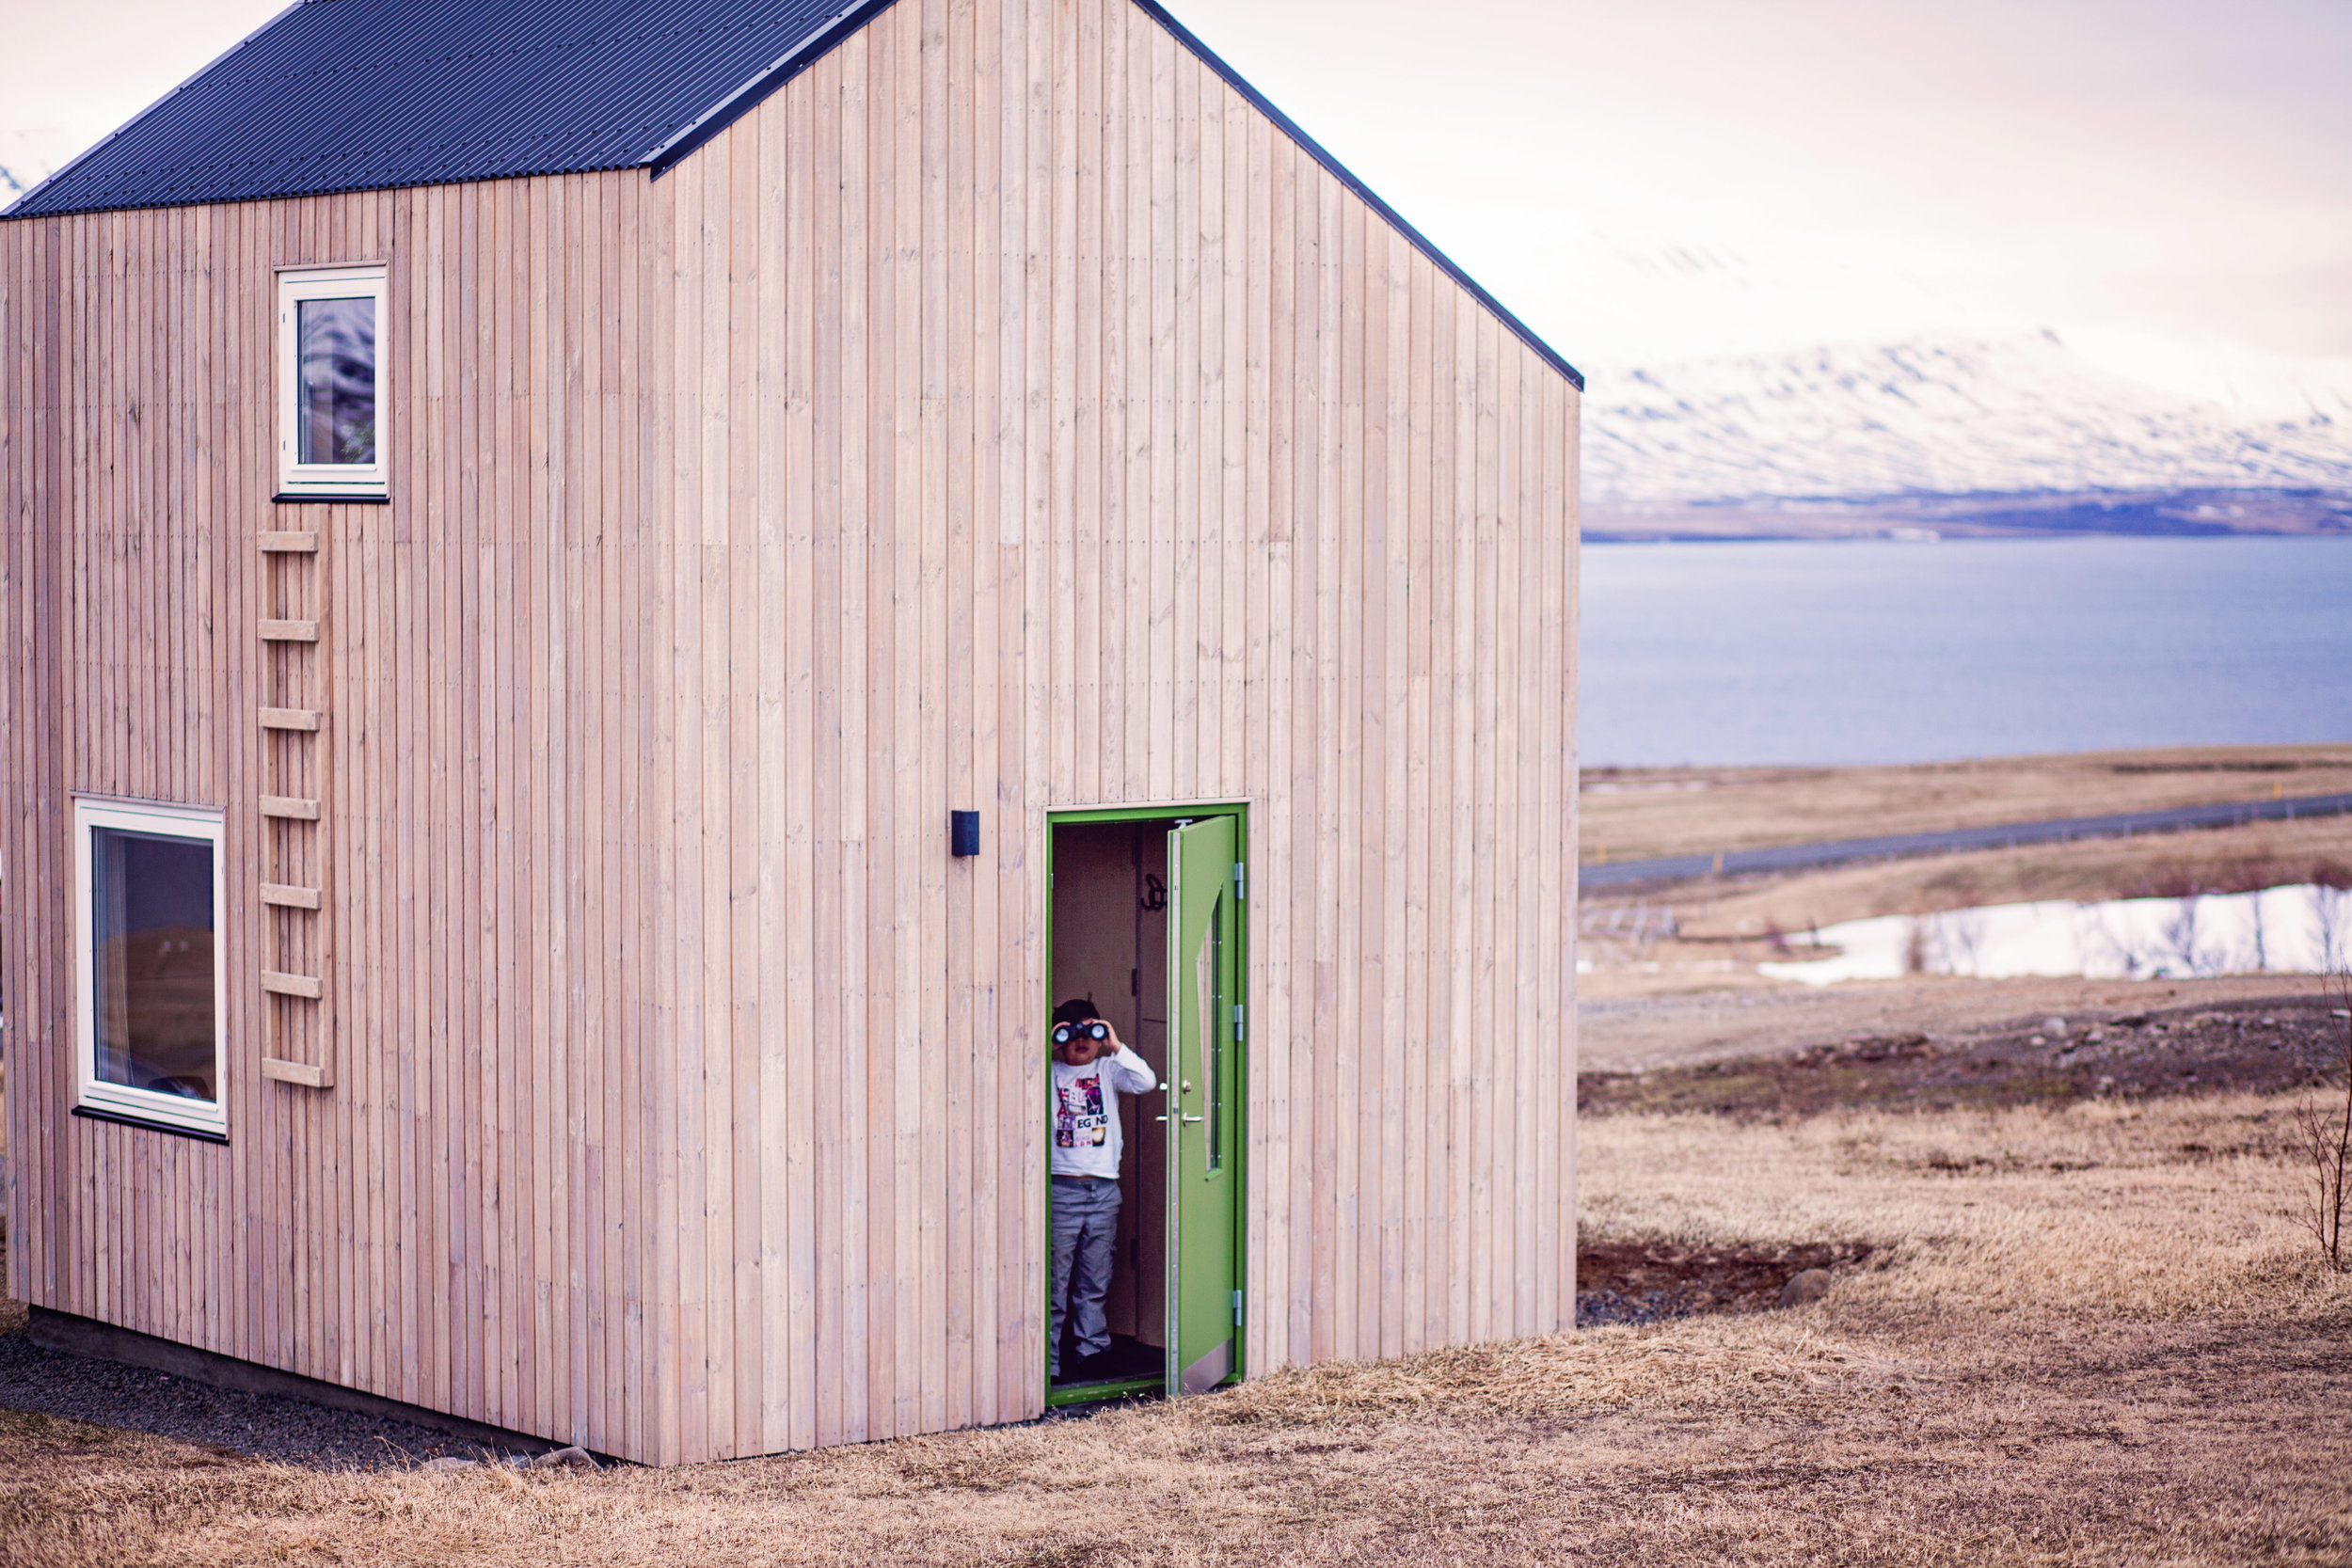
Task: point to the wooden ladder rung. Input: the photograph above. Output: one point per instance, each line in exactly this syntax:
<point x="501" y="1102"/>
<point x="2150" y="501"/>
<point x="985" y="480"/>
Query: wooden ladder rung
<point x="303" y="542"/>
<point x="292" y="985"/>
<point x="290" y="719"/>
<point x="288" y="896"/>
<point x="289" y="631"/>
<point x="292" y="806"/>
<point x="301" y="1073"/>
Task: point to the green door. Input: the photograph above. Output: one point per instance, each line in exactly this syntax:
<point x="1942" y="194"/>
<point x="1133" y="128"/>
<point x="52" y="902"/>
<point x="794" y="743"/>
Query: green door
<point x="1204" y="1094"/>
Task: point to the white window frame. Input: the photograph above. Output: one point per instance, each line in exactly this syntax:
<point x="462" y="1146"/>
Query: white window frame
<point x="330" y="479"/>
<point x="171" y="1110"/>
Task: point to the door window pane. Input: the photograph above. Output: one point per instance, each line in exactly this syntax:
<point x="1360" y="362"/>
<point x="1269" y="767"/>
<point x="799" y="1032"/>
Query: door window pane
<point x="151" y="963"/>
<point x="336" y="396"/>
<point x="1208" y="965"/>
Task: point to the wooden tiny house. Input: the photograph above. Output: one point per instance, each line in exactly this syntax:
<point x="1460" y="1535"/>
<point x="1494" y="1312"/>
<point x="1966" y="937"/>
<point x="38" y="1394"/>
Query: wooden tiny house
<point x="495" y="629"/>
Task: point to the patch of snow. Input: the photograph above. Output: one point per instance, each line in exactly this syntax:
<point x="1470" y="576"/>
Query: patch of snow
<point x="2302" y="929"/>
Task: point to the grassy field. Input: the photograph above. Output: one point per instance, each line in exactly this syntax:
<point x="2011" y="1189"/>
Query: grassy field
<point x="2212" y="859"/>
<point x="2075" y="1326"/>
<point x="1640" y="813"/>
<point x="1722" y="927"/>
<point x="2082" y="1333"/>
<point x="1700" y="940"/>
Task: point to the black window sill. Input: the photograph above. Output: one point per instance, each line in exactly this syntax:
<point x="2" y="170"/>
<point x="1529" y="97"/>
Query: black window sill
<point x="120" y="1120"/>
<point x="282" y="498"/>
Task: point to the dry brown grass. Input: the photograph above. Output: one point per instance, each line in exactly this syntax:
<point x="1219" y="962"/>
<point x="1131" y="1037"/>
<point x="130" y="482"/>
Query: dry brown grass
<point x="2218" y="860"/>
<point x="2101" y="1211"/>
<point x="2088" y="1336"/>
<point x="1637" y="812"/>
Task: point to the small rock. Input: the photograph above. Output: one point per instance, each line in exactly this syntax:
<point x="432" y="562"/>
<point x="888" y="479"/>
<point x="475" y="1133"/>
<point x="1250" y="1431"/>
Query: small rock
<point x="449" y="1462"/>
<point x="2054" y="1025"/>
<point x="573" y="1458"/>
<point x="2037" y="1040"/>
<point x="1810" y="1286"/>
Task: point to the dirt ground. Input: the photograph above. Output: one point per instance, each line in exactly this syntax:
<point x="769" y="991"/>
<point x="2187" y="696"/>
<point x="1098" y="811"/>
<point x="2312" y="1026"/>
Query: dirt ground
<point x="1640" y="813"/>
<point x="1625" y="1030"/>
<point x="2059" y="1329"/>
<point x="1649" y="1281"/>
<point x="2274" y="1040"/>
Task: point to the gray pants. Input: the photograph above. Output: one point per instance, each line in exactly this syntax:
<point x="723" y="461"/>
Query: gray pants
<point x="1086" y="1218"/>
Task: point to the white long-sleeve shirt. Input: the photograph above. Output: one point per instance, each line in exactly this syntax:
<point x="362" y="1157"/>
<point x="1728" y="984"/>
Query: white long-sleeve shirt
<point x="1083" y="1104"/>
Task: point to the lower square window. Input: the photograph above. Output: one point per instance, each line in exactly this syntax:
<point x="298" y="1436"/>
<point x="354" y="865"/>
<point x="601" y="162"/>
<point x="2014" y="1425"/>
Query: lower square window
<point x="148" y="898"/>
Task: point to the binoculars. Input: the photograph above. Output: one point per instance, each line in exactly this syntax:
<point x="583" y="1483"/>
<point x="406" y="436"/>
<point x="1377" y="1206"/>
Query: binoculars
<point x="1094" y="1029"/>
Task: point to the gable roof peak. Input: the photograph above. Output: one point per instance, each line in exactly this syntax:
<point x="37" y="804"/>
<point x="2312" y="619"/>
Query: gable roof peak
<point x="334" y="96"/>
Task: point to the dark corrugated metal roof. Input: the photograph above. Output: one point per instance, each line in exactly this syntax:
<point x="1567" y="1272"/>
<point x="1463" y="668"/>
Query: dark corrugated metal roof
<point x="354" y="95"/>
<point x="345" y="95"/>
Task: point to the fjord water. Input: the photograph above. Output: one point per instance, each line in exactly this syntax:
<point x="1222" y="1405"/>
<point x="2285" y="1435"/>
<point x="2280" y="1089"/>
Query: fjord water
<point x="1880" y="651"/>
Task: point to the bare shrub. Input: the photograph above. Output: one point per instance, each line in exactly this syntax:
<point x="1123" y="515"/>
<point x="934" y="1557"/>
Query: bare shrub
<point x="1962" y="933"/>
<point x="2323" y="1130"/>
<point x="2171" y="881"/>
<point x="2184" y="941"/>
<point x="2251" y="871"/>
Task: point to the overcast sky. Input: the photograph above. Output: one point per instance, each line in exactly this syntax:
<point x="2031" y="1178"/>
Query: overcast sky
<point x="2166" y="182"/>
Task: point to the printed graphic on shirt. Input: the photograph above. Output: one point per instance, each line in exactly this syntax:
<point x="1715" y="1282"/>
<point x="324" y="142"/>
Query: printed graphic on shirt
<point x="1079" y="1118"/>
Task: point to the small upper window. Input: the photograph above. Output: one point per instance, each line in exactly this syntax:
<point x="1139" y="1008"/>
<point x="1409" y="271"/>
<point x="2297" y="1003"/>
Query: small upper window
<point x="330" y="371"/>
<point x="148" y="899"/>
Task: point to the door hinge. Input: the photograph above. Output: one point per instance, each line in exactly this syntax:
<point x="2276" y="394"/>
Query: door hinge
<point x="1241" y="883"/>
<point x="1237" y="1308"/>
<point x="1239" y="1031"/>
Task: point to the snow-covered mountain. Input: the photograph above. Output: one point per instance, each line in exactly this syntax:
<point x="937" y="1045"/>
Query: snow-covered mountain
<point x="2024" y="415"/>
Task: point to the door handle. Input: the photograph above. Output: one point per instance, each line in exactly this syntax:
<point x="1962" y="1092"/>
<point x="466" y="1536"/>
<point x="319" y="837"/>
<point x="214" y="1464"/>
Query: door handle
<point x="1188" y="1121"/>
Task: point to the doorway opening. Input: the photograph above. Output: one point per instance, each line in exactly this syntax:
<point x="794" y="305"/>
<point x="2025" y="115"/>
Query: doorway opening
<point x="1145" y="926"/>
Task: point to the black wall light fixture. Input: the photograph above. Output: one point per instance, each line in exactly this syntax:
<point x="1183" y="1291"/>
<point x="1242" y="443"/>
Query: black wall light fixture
<point x="964" y="832"/>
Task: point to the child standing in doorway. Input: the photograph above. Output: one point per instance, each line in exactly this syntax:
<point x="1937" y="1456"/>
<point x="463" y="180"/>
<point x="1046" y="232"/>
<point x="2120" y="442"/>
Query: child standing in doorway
<point x="1091" y="1069"/>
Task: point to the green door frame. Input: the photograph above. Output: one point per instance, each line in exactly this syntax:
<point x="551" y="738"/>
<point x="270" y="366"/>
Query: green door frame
<point x="1239" y="810"/>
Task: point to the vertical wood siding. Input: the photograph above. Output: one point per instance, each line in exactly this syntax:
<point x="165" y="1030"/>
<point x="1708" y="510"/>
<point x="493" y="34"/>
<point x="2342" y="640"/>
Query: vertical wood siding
<point x="1003" y="416"/>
